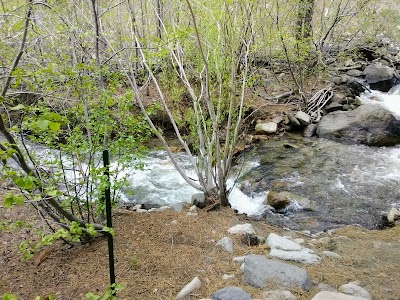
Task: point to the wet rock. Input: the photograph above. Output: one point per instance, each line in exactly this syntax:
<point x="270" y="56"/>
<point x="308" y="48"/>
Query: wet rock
<point x="242" y="229"/>
<point x="355" y="88"/>
<point x="263" y="128"/>
<point x="371" y="125"/>
<point x="310" y="130"/>
<point x="334" y="107"/>
<point x="380" y="77"/>
<point x="353" y="289"/>
<point x="393" y="215"/>
<point x="199" y="200"/>
<point x="226" y="244"/>
<point x="277" y="200"/>
<point x="231" y="293"/>
<point x="189" y="288"/>
<point x="259" y="272"/>
<point x="326" y="295"/>
<point x="305" y="203"/>
<point x="293" y="120"/>
<point x="303" y="118"/>
<point x="278" y="295"/>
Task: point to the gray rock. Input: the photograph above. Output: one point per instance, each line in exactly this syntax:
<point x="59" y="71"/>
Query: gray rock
<point x="326" y="295"/>
<point x="228" y="276"/>
<point x="326" y="287"/>
<point x="354" y="289"/>
<point x="270" y="127"/>
<point x="305" y="203"/>
<point x="339" y="98"/>
<point x="281" y="243"/>
<point x="259" y="272"/>
<point x="199" y="200"/>
<point x="334" y="107"/>
<point x="277" y="200"/>
<point x="393" y="215"/>
<point x="242" y="229"/>
<point x="278" y="295"/>
<point x="310" y="130"/>
<point x="368" y="124"/>
<point x="231" y="293"/>
<point x="354" y="73"/>
<point x="305" y="255"/>
<point x="303" y="118"/>
<point x="189" y="288"/>
<point x="178" y="206"/>
<point x="238" y="259"/>
<point x="277" y="119"/>
<point x="226" y="244"/>
<point x="286" y="249"/>
<point x="380" y="77"/>
<point x="293" y="120"/>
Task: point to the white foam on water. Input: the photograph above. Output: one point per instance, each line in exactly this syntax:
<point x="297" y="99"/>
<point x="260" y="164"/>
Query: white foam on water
<point x="390" y="100"/>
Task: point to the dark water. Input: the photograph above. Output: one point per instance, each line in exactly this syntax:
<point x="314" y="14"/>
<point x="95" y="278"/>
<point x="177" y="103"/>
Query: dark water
<point x="350" y="184"/>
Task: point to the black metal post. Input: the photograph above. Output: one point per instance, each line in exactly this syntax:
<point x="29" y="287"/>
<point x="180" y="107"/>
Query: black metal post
<point x="107" y="194"/>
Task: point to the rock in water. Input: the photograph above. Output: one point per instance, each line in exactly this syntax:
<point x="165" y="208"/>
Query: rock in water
<point x="189" y="288"/>
<point x="269" y="127"/>
<point x="380" y="77"/>
<point x="259" y="272"/>
<point x="231" y="293"/>
<point x="370" y="124"/>
<point x="277" y="200"/>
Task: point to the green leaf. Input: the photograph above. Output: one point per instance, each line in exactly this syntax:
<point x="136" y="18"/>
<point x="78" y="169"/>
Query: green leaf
<point x="53" y="192"/>
<point x="109" y="230"/>
<point x="27" y="182"/>
<point x="10" y="200"/>
<point x="54" y="126"/>
<point x="42" y="124"/>
<point x="18" y="107"/>
<point x="10" y="297"/>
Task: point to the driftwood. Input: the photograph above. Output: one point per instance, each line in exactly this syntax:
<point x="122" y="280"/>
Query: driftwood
<point x="317" y="103"/>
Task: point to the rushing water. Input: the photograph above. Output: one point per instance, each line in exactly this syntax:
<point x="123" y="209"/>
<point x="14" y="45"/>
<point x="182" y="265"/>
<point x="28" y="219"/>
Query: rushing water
<point x="349" y="184"/>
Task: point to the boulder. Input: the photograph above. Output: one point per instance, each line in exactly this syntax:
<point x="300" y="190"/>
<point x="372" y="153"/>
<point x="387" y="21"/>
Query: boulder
<point x="368" y="124"/>
<point x="259" y="272"/>
<point x="231" y="293"/>
<point x="293" y="120"/>
<point x="310" y="130"/>
<point x="380" y="77"/>
<point x="393" y="215"/>
<point x="286" y="249"/>
<point x="303" y="118"/>
<point x="334" y="106"/>
<point x="354" y="73"/>
<point x="277" y="200"/>
<point x="199" y="200"/>
<point x="326" y="295"/>
<point x="353" y="289"/>
<point x="269" y="127"/>
<point x="226" y="244"/>
<point x="305" y="203"/>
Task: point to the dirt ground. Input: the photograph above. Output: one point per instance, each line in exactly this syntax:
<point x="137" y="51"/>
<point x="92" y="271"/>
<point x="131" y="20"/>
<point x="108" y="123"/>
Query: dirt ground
<point x="156" y="258"/>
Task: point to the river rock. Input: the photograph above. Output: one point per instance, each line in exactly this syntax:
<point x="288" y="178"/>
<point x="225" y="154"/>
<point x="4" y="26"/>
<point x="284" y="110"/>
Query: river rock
<point x="277" y="200"/>
<point x="310" y="130"/>
<point x="293" y="120"/>
<point x="380" y="77"/>
<point x="242" y="229"/>
<point x="368" y="124"/>
<point x="231" y="293"/>
<point x="286" y="249"/>
<point x="269" y="127"/>
<point x="199" y="200"/>
<point x="334" y="107"/>
<point x="189" y="288"/>
<point x="303" y="118"/>
<point x="278" y="295"/>
<point x="259" y="272"/>
<point x="305" y="203"/>
<point x="226" y="244"/>
<point x="393" y="215"/>
<point x="326" y="295"/>
<point x="354" y="73"/>
<point x="353" y="289"/>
